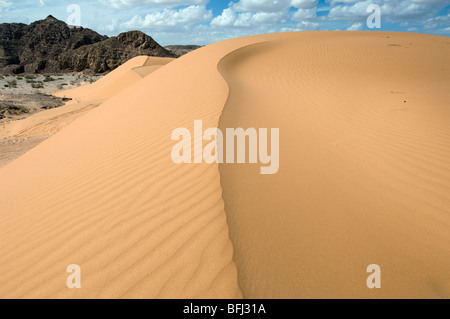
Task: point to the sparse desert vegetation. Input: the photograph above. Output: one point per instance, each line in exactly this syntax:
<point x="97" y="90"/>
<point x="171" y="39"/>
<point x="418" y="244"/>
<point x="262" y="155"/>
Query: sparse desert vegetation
<point x="11" y="84"/>
<point x="23" y="95"/>
<point x="47" y="83"/>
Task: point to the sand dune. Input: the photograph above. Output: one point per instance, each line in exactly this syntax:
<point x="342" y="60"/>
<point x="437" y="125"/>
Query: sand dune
<point x="118" y="80"/>
<point x="18" y="137"/>
<point x="103" y="193"/>
<point x="364" y="177"/>
<point x="364" y="165"/>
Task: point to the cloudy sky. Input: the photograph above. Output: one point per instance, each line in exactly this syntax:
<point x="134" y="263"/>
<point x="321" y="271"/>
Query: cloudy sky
<point x="207" y="21"/>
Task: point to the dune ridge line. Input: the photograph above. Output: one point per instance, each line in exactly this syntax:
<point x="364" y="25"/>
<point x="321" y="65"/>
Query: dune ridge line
<point x="364" y="171"/>
<point x="104" y="194"/>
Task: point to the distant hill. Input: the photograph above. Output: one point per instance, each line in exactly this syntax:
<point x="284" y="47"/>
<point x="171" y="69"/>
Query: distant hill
<point x="51" y="46"/>
<point x="182" y="49"/>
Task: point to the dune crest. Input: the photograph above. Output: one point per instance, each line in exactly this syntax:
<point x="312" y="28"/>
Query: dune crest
<point x="104" y="194"/>
<point x="364" y="165"/>
<point x="117" y="80"/>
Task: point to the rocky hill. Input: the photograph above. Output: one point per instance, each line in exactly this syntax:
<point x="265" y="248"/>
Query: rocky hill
<point x="112" y="52"/>
<point x="51" y="46"/>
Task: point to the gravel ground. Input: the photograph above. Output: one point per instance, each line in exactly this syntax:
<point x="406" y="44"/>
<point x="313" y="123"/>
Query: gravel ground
<point x="22" y="96"/>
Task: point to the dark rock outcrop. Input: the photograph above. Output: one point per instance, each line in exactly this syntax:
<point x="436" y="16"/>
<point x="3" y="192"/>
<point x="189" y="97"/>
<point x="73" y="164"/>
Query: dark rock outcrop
<point x="109" y="54"/>
<point x="51" y="46"/>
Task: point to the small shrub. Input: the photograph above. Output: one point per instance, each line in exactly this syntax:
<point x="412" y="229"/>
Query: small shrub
<point x="12" y="84"/>
<point x="38" y="85"/>
<point x="48" y="78"/>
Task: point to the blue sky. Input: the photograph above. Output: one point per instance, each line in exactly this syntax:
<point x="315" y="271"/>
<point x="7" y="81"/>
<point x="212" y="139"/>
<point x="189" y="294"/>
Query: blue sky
<point x="207" y="21"/>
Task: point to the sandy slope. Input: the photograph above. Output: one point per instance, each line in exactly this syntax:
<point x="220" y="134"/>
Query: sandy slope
<point x="18" y="137"/>
<point x="364" y="178"/>
<point x="104" y="193"/>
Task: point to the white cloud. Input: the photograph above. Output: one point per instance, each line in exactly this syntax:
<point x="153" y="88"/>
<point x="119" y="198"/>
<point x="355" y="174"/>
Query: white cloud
<point x="441" y="19"/>
<point x="308" y="26"/>
<point x="333" y="2"/>
<point x="429" y="1"/>
<point x="302" y="26"/>
<point x="170" y="18"/>
<point x="4" y="5"/>
<point x="261" y="5"/>
<point x="350" y="12"/>
<point x="255" y="13"/>
<point x="230" y="18"/>
<point x="227" y="18"/>
<point x="392" y="10"/>
<point x="436" y="22"/>
<point x="155" y="3"/>
<point x="304" y="14"/>
<point x="111" y="27"/>
<point x="355" y="27"/>
<point x="268" y="18"/>
<point x="304" y="4"/>
<point x="405" y="10"/>
<point x="272" y="5"/>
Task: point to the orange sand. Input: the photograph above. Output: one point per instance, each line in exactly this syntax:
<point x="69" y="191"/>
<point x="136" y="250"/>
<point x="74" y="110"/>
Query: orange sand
<point x="364" y="178"/>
